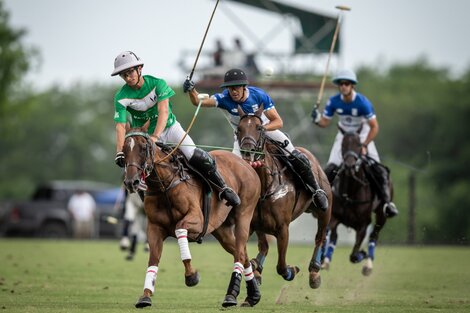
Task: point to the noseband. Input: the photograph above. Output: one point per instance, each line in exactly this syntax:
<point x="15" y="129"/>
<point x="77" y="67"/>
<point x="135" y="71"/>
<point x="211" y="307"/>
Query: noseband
<point x="147" y="167"/>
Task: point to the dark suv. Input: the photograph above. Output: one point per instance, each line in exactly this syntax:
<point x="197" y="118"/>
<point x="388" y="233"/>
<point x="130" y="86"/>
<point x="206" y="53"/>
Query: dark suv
<point x="46" y="214"/>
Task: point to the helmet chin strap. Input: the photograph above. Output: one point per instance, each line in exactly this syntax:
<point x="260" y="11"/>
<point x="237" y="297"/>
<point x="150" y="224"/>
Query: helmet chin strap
<point x="139" y="75"/>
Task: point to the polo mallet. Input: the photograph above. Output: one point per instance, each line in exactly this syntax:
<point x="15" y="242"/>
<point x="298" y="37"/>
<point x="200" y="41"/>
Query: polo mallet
<point x="202" y="43"/>
<point x="332" y="47"/>
<point x="201" y="97"/>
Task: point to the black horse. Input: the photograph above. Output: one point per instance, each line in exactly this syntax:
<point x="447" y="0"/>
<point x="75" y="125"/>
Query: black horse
<point x="355" y="198"/>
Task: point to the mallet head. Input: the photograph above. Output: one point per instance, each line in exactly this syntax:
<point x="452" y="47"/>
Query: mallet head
<point x="343" y="8"/>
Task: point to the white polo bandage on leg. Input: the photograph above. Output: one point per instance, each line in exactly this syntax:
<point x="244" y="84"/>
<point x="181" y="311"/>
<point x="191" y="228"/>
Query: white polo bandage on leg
<point x="150" y="278"/>
<point x="238" y="267"/>
<point x="182" y="236"/>
<point x="248" y="272"/>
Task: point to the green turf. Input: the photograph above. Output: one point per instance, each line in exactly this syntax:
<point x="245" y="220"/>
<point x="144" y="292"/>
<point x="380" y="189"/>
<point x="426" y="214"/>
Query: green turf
<point x="92" y="276"/>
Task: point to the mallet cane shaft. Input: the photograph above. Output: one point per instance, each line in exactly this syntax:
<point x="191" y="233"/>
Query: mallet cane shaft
<point x="332" y="47"/>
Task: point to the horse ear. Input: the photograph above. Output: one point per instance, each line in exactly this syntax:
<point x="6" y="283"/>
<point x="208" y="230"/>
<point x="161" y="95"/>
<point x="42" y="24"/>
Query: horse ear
<point x="240" y="111"/>
<point x="341" y="129"/>
<point x="128" y="127"/>
<point x="146" y="126"/>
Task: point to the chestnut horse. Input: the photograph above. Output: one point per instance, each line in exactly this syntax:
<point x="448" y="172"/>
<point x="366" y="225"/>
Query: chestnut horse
<point x="354" y="200"/>
<point x="178" y="203"/>
<point x="283" y="198"/>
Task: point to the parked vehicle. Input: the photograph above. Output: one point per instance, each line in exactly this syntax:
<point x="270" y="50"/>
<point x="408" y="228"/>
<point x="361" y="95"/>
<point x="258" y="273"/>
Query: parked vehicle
<point x="46" y="214"/>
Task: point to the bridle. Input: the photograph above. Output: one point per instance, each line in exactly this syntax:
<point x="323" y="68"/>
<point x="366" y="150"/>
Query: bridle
<point x="357" y="165"/>
<point x="249" y="140"/>
<point x="147" y="167"/>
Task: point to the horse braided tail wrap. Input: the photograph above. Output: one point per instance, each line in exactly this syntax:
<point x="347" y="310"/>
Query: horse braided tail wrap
<point x="180" y="204"/>
<point x="355" y="199"/>
<point x="284" y="197"/>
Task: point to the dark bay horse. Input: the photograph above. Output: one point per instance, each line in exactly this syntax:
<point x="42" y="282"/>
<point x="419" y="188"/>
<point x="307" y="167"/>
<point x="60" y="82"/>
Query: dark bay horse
<point x="179" y="204"/>
<point x="354" y="201"/>
<point x="283" y="198"/>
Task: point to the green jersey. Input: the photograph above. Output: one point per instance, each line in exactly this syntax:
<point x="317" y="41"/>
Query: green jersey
<point x="141" y="104"/>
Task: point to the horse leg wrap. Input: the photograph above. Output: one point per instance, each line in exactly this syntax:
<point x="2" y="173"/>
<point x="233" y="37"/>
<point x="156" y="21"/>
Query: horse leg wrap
<point x="371" y="250"/>
<point x="252" y="292"/>
<point x="182" y="236"/>
<point x="150" y="278"/>
<point x="233" y="290"/>
<point x="235" y="281"/>
<point x="289" y="274"/>
<point x="314" y="266"/>
<point x="248" y="272"/>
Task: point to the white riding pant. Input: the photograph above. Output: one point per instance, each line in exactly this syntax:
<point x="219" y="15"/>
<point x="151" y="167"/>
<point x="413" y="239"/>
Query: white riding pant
<point x="336" y="156"/>
<point x="276" y="135"/>
<point x="173" y="135"/>
<point x="134" y="212"/>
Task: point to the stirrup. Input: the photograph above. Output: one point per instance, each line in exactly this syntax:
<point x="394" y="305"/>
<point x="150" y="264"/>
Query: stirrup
<point x="324" y="202"/>
<point x="230" y="196"/>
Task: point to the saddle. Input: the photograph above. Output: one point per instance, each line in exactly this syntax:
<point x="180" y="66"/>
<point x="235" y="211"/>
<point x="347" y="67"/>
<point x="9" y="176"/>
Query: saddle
<point x="278" y="150"/>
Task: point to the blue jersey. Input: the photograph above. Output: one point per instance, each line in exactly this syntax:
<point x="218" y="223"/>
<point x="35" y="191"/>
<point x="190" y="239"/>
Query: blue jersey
<point x="351" y="114"/>
<point x="257" y="98"/>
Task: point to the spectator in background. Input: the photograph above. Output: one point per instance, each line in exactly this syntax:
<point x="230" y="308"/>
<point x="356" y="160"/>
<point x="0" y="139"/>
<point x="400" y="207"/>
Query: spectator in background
<point x="218" y="53"/>
<point x="82" y="206"/>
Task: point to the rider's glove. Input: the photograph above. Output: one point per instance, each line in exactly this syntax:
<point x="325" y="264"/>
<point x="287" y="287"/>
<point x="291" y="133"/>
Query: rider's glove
<point x="316" y="116"/>
<point x="188" y="85"/>
<point x="119" y="159"/>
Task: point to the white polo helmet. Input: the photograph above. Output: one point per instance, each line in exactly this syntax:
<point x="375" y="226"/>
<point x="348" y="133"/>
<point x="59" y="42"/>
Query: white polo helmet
<point x="126" y="60"/>
<point x="345" y="75"/>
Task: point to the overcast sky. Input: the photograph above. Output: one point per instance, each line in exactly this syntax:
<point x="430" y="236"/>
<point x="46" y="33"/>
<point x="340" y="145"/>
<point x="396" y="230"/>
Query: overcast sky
<point x="79" y="40"/>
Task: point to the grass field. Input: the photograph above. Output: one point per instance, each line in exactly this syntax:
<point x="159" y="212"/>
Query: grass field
<point x="92" y="276"/>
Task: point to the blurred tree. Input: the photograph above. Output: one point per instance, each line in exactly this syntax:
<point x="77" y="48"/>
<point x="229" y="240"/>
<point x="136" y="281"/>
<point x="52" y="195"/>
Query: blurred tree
<point x="423" y="116"/>
<point x="63" y="134"/>
<point x="15" y="59"/>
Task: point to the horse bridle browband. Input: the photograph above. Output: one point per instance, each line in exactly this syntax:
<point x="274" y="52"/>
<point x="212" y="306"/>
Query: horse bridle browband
<point x="149" y="151"/>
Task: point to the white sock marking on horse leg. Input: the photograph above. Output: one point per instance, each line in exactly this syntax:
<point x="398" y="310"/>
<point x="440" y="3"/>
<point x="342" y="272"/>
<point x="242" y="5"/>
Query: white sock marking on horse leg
<point x="182" y="236"/>
<point x="150" y="278"/>
<point x="248" y="272"/>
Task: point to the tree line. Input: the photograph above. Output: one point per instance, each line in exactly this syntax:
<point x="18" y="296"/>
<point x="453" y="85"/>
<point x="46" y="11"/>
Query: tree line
<point x="68" y="133"/>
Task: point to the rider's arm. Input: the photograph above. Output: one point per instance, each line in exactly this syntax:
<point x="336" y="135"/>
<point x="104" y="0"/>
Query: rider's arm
<point x="162" y="118"/>
<point x="324" y="122"/>
<point x="275" y="121"/>
<point x="120" y="133"/>
<point x="208" y="102"/>
<point x="374" y="130"/>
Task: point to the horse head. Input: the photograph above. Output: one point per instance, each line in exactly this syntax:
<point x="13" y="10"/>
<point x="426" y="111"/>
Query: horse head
<point x="351" y="150"/>
<point x="139" y="153"/>
<point x="250" y="135"/>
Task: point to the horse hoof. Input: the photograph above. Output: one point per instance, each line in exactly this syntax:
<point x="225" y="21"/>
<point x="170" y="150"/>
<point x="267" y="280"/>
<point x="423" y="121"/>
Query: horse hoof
<point x="290" y="273"/>
<point x="315" y="280"/>
<point x="229" y="301"/>
<point x="143" y="302"/>
<point x="366" y="271"/>
<point x="192" y="280"/>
